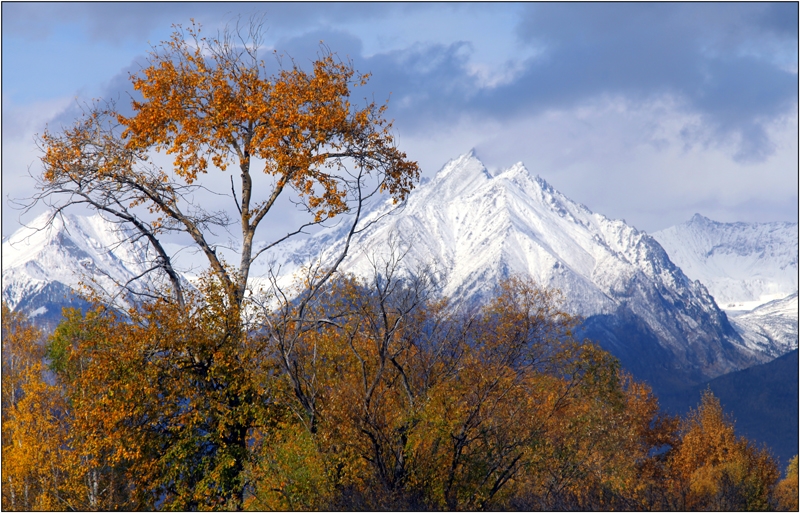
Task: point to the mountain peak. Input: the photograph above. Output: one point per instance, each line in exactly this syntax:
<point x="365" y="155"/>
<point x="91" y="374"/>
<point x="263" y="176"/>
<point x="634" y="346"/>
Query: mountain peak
<point x="474" y="228"/>
<point x="701" y="220"/>
<point x="742" y="264"/>
<point x="459" y="175"/>
<point x="466" y="163"/>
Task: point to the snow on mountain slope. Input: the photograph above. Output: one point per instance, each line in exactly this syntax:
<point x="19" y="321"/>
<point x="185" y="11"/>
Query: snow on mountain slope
<point x="448" y="223"/>
<point x="43" y="265"/>
<point x="476" y="227"/>
<point x="743" y="265"/>
<point x="772" y="326"/>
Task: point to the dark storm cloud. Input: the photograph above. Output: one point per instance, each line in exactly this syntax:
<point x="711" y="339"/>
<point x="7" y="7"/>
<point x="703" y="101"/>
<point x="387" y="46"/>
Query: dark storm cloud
<point x="422" y="82"/>
<point x="425" y="82"/>
<point x="117" y="91"/>
<point x="304" y="49"/>
<point x="720" y="59"/>
<point x="733" y="64"/>
<point x="103" y="21"/>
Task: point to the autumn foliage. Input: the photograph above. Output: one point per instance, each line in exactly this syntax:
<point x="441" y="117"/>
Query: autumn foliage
<point x="416" y="405"/>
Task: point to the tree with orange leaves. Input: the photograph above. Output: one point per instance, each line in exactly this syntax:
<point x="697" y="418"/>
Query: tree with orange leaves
<point x="211" y="104"/>
<point x="786" y="491"/>
<point x="32" y="435"/>
<point x="165" y="400"/>
<point x="713" y="469"/>
<point x="408" y="403"/>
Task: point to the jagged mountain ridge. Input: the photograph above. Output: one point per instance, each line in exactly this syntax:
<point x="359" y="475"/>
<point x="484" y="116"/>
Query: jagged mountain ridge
<point x="743" y="265"/>
<point x="751" y="271"/>
<point x="477" y="226"/>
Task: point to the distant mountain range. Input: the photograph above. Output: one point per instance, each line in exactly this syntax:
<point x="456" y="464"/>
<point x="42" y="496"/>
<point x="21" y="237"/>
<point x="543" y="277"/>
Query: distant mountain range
<point x="45" y="264"/>
<point x="751" y="271"/>
<point x="743" y="265"/>
<point x="473" y="227"/>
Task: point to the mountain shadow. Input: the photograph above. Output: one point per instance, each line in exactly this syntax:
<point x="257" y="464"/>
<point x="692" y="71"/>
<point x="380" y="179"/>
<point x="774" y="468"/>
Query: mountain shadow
<point x="762" y="399"/>
<point x="44" y="308"/>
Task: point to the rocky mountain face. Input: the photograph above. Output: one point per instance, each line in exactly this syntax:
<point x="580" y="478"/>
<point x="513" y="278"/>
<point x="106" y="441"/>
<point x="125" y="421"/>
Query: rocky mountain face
<point x="771" y="327"/>
<point x="475" y="227"/>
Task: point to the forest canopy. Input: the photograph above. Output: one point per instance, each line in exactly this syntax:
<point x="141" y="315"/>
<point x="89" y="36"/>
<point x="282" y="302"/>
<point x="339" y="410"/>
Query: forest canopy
<point x="397" y="401"/>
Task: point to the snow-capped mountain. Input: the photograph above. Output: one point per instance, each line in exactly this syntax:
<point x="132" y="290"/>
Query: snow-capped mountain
<point x="475" y="227"/>
<point x="43" y="265"/>
<point x="743" y="265"/>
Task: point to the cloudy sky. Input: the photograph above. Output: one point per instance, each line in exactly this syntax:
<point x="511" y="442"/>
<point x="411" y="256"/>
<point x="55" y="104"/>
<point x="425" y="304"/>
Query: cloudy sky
<point x="647" y="112"/>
